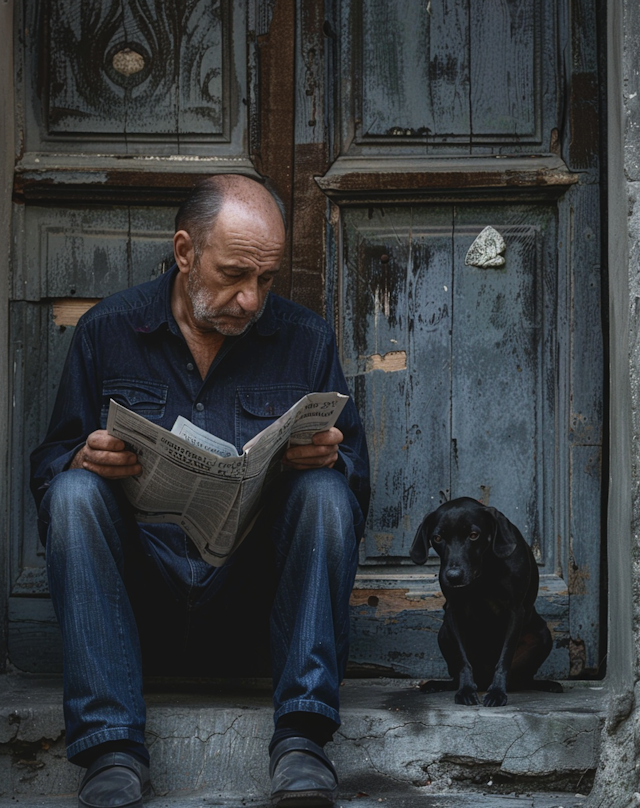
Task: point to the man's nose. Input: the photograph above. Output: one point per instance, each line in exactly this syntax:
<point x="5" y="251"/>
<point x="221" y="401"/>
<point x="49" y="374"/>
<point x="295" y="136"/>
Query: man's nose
<point x="249" y="296"/>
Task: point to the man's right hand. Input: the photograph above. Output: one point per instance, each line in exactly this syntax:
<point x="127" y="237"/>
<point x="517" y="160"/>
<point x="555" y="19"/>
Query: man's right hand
<point x="107" y="456"/>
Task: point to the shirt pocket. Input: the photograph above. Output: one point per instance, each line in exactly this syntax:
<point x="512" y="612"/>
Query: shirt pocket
<point x="260" y="405"/>
<point x="147" y="398"/>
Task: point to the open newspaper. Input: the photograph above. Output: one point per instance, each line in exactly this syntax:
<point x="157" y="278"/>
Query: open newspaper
<point x="194" y="479"/>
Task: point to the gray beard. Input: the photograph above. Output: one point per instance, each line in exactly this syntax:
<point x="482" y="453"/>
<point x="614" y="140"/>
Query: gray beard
<point x="203" y="314"/>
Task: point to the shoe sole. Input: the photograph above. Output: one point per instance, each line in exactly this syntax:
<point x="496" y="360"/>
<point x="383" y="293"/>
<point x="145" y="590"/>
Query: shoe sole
<point x="303" y="799"/>
<point x="146" y="794"/>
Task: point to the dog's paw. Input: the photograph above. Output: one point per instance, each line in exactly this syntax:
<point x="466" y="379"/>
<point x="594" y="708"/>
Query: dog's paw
<point x="495" y="697"/>
<point x="467" y="695"/>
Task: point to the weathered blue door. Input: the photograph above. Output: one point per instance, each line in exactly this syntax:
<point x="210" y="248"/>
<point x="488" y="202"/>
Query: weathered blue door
<point x="396" y="132"/>
<point x="477" y="368"/>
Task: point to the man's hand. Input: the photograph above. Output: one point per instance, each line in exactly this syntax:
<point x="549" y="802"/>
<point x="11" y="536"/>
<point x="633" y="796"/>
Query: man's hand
<point x="105" y="455"/>
<point x="323" y="452"/>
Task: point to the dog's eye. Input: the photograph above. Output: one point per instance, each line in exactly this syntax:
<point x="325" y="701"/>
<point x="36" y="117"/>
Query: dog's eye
<point x="437" y="539"/>
<point x="474" y="535"/>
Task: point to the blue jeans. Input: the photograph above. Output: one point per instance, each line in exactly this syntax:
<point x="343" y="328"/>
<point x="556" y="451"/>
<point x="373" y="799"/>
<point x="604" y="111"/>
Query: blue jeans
<point x="130" y="597"/>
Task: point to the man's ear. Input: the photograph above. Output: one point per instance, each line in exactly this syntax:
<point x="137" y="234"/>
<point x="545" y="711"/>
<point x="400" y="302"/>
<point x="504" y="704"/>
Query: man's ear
<point x="420" y="547"/>
<point x="505" y="537"/>
<point x="183" y="250"/>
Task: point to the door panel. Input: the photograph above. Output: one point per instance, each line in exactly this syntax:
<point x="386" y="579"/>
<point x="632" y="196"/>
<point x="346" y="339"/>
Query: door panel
<point x="133" y="90"/>
<point x="134" y="73"/>
<point x="70" y="258"/>
<point x="449" y="364"/>
<point x="455" y="370"/>
<point x="503" y="393"/>
<point x="396" y="345"/>
<point x="445" y="74"/>
<point x="90" y="252"/>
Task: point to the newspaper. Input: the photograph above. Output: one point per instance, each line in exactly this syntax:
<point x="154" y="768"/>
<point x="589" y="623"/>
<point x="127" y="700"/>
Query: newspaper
<point x="200" y="482"/>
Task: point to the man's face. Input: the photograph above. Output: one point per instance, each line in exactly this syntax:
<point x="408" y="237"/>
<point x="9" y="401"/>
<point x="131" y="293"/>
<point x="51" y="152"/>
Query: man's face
<point x="228" y="285"/>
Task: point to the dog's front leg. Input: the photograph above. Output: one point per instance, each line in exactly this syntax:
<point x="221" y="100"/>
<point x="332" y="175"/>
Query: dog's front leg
<point x="496" y="695"/>
<point x="452" y="646"/>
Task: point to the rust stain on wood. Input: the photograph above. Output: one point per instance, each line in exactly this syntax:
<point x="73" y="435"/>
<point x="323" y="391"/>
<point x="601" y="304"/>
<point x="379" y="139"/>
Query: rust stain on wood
<point x="449" y="180"/>
<point x="383" y="542"/>
<point x="274" y="154"/>
<point x="99" y="185"/>
<point x="391" y="602"/>
<point x="311" y="159"/>
<point x="68" y="310"/>
<point x="308" y="248"/>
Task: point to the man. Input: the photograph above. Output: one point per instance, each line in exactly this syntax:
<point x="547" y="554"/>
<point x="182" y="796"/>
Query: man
<point x="208" y="341"/>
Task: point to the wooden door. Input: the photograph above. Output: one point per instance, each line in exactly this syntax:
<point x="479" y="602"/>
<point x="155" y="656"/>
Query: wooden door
<point x="475" y="377"/>
<point x="395" y="133"/>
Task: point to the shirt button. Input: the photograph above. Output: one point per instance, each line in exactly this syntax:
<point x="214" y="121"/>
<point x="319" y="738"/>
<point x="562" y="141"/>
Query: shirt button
<point x="199" y="406"/>
<point x="190" y="366"/>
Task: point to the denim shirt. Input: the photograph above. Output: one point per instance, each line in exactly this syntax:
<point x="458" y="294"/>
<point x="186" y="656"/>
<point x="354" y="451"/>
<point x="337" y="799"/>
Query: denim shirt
<point x="129" y="347"/>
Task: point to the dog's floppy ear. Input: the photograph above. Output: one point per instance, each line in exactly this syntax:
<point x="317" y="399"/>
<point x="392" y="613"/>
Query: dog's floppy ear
<point x="420" y="547"/>
<point x="505" y="537"/>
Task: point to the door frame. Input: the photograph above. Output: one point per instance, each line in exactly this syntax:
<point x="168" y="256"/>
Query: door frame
<point x="7" y="160"/>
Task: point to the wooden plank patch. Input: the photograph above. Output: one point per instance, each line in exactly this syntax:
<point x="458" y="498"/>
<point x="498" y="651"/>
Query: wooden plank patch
<point x="68" y="310"/>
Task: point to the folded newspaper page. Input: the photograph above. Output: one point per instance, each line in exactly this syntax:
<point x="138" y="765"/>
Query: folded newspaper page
<point x="200" y="482"/>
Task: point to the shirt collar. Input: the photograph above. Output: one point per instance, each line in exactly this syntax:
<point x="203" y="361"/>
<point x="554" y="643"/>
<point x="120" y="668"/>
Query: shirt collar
<point x="157" y="312"/>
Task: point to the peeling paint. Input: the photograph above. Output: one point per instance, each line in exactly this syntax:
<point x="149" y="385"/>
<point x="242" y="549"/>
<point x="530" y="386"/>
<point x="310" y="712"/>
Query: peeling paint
<point x="577" y="657"/>
<point x="578" y="578"/>
<point x="389" y="362"/>
<point x="392" y="602"/>
<point x="67" y="311"/>
<point x="383" y="542"/>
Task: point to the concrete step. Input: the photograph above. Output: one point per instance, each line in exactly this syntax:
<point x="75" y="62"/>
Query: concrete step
<point x="208" y="742"/>
<point x="207" y="800"/>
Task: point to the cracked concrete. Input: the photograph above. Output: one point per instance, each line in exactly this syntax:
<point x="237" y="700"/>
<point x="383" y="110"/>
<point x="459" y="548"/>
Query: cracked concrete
<point x="362" y="800"/>
<point x="394" y="741"/>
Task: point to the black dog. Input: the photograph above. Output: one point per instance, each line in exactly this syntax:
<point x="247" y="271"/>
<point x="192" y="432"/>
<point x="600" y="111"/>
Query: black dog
<point x="491" y="635"/>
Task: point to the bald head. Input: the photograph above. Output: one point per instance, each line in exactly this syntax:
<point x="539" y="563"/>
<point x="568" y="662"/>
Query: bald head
<point x="199" y="212"/>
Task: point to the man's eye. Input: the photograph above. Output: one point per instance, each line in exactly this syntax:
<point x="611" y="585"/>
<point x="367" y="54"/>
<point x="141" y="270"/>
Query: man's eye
<point x="265" y="279"/>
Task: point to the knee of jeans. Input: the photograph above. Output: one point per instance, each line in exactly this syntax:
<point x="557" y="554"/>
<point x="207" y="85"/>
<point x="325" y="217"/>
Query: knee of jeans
<point x="318" y="488"/>
<point x="322" y="496"/>
<point x="76" y="495"/>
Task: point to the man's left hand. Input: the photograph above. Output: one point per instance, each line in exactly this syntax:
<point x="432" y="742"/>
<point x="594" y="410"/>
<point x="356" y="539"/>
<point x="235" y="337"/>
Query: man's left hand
<point x="322" y="453"/>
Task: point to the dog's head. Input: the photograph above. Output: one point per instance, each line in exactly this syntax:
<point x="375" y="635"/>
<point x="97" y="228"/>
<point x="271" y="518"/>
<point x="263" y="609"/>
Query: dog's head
<point x="461" y="532"/>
